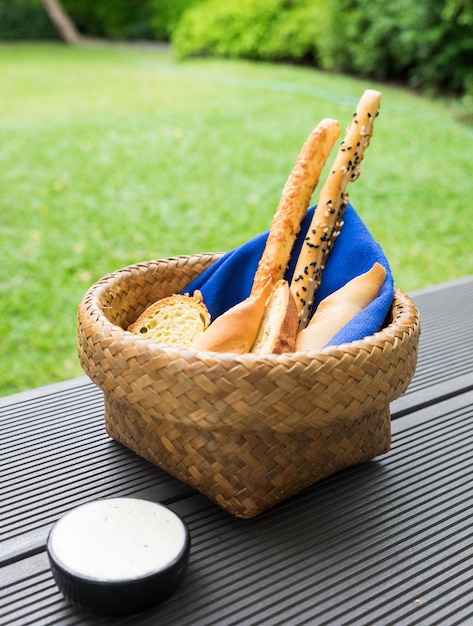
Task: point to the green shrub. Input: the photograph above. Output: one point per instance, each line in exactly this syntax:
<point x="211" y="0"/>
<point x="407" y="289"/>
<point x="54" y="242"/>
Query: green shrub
<point x="252" y="29"/>
<point x="128" y="19"/>
<point x="449" y="61"/>
<point x="165" y="15"/>
<point x="298" y="33"/>
<point x="114" y="19"/>
<point x="427" y="44"/>
<point x="24" y="20"/>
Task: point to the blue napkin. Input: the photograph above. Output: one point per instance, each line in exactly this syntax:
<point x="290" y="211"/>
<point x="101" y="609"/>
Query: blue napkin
<point x="229" y="280"/>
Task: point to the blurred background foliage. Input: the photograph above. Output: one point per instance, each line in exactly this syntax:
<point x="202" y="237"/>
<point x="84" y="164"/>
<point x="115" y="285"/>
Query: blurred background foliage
<point x="99" y="141"/>
<point x="427" y="44"/>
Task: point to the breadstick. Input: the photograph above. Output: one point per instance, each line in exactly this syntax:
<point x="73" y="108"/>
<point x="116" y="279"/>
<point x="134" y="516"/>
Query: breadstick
<point x="294" y="203"/>
<point x="339" y="308"/>
<point x="327" y="219"/>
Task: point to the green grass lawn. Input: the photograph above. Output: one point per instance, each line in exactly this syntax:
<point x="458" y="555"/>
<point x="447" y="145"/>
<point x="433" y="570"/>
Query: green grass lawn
<point x="114" y="155"/>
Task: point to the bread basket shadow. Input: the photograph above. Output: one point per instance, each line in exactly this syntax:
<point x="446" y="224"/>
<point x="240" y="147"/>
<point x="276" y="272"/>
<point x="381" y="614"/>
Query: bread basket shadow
<point x="247" y="431"/>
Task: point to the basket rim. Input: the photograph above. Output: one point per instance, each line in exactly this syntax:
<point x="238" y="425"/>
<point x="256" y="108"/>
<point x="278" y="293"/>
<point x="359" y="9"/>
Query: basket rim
<point x="90" y="300"/>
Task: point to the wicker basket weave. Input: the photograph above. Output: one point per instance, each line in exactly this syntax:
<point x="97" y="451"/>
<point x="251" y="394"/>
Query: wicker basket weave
<point x="247" y="431"/>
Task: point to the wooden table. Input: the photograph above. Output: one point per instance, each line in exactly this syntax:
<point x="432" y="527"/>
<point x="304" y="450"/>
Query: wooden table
<point x="386" y="542"/>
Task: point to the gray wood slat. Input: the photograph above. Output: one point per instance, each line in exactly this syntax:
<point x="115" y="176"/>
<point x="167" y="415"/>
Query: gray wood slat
<point x="386" y="542"/>
<point x="64" y="459"/>
<point x="446" y="344"/>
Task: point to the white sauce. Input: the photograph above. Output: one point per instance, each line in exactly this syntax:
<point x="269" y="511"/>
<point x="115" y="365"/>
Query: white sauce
<point x="118" y="539"/>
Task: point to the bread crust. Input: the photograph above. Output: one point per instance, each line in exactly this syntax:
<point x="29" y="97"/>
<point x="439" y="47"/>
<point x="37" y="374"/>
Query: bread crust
<point x="277" y="331"/>
<point x="340" y="307"/>
<point x="236" y="329"/>
<point x="327" y="219"/>
<point x="294" y="202"/>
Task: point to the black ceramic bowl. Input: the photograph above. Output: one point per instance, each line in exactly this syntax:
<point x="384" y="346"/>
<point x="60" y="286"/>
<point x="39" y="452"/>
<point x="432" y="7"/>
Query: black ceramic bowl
<point x="118" y="556"/>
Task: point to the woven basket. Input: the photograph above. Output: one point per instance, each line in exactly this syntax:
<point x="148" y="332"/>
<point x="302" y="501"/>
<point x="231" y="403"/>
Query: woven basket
<point x="245" y="430"/>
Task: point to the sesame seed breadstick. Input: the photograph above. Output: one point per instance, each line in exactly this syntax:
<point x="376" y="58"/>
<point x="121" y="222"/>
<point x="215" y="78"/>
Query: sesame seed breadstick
<point x="327" y="219"/>
<point x="294" y="203"/>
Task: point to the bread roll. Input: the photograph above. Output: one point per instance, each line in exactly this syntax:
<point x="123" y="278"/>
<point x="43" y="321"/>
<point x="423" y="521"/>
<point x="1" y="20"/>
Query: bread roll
<point x="294" y="203"/>
<point x="339" y="308"/>
<point x="277" y="331"/>
<point x="327" y="219"/>
<point x="176" y="320"/>
<point x="236" y="329"/>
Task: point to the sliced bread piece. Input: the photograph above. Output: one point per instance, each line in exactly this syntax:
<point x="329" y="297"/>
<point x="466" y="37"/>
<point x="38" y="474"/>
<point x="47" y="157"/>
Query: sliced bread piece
<point x="278" y="328"/>
<point x="176" y="320"/>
